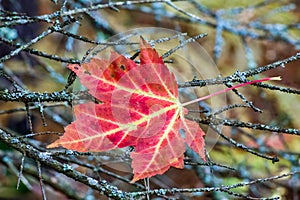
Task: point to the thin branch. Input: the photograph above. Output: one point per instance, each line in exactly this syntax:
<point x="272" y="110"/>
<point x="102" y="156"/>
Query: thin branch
<point x="99" y="6"/>
<point x="101" y="170"/>
<point x="210" y="189"/>
<point x="237" y="78"/>
<point x="20" y="171"/>
<point x="189" y="40"/>
<point x="21" y="48"/>
<point x="41" y="180"/>
<point x="40" y="53"/>
<point x="26" y="97"/>
<point x="236" y="123"/>
<point x="280" y="63"/>
<point x="210" y="163"/>
<point x="243" y="98"/>
<point x="241" y="146"/>
<point x="229" y="107"/>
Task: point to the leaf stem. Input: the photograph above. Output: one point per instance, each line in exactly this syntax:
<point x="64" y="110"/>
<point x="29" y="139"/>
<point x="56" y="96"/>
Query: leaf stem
<point x="231" y="88"/>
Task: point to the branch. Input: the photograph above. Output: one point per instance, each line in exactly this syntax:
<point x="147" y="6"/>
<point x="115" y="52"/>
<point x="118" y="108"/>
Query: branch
<point x="210" y="189"/>
<point x="236" y="123"/>
<point x="27" y="97"/>
<point x="238" y="75"/>
<point x="47" y="160"/>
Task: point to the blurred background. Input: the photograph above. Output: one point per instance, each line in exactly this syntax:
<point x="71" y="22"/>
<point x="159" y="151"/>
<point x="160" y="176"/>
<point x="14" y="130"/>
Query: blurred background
<point x="242" y="35"/>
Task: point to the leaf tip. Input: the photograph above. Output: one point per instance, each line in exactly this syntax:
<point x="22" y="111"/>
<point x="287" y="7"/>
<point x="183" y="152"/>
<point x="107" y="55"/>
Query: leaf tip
<point x="143" y="43"/>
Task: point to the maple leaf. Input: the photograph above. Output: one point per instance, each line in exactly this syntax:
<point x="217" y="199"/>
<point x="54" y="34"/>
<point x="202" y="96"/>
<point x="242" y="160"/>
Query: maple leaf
<point x="140" y="108"/>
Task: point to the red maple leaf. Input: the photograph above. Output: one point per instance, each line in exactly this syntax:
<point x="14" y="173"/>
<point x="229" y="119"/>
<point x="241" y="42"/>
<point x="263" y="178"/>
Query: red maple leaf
<point x="140" y="108"/>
